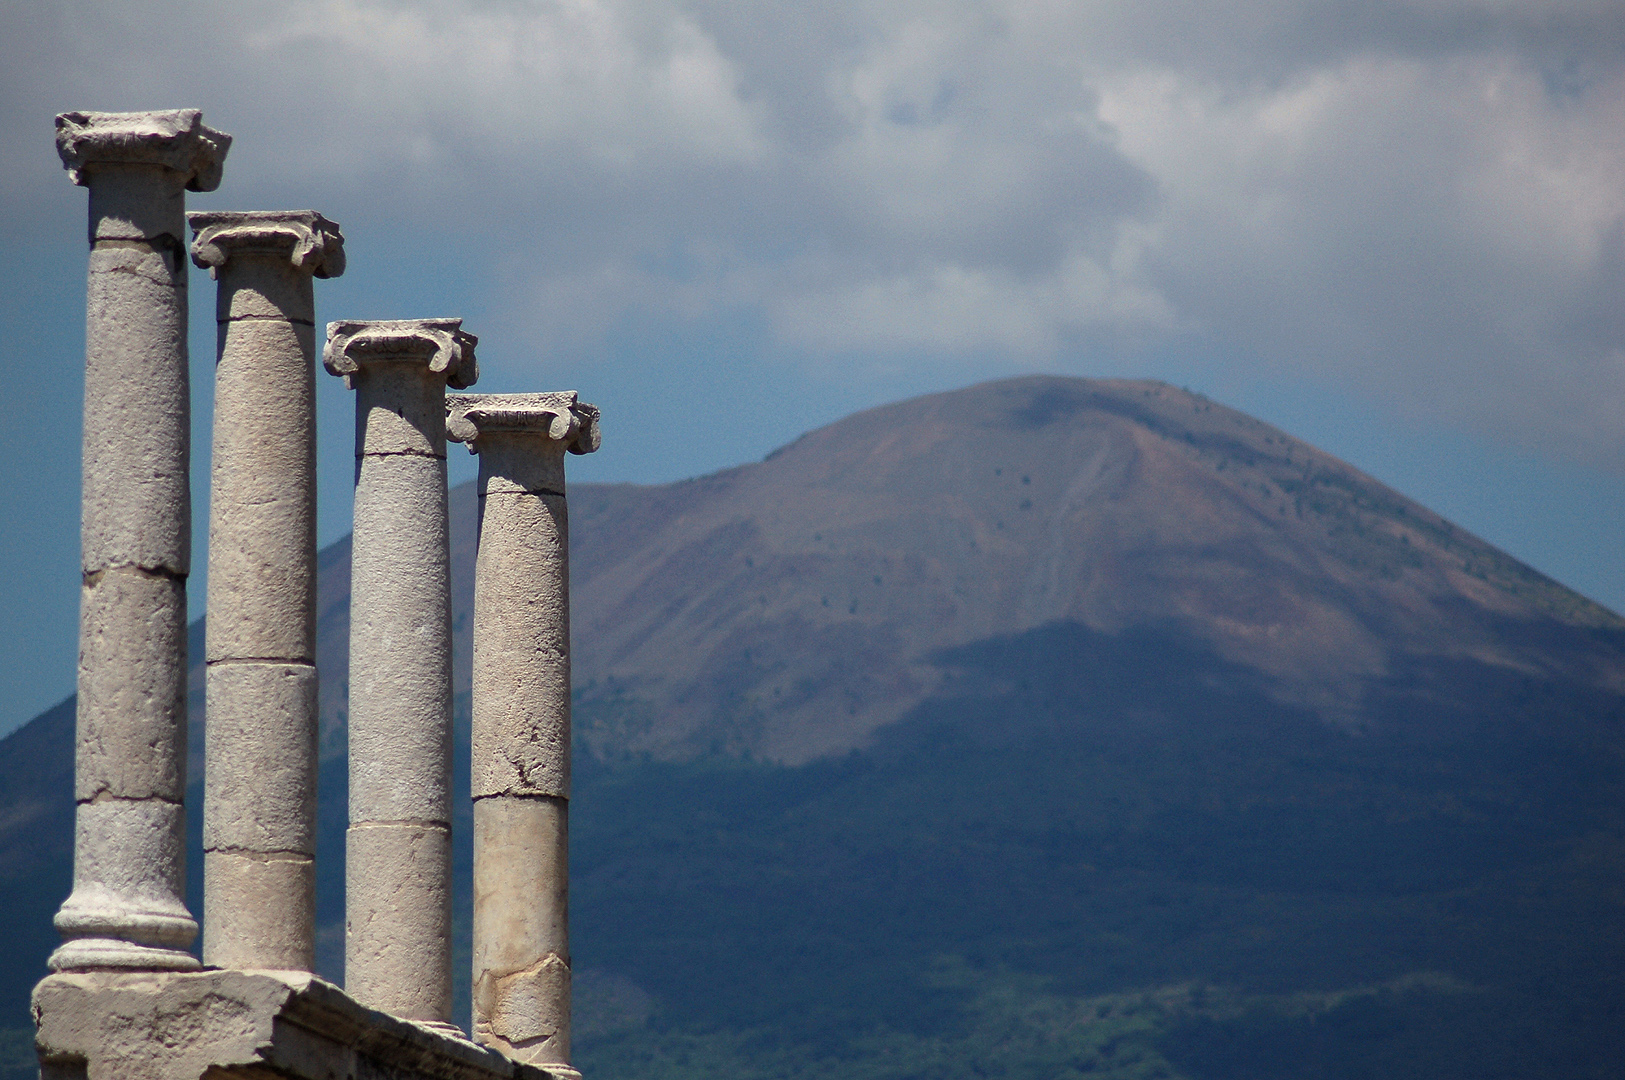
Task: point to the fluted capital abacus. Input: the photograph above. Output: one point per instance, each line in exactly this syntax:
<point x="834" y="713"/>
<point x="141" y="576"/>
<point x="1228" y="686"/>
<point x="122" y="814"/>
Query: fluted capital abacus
<point x="440" y="344"/>
<point x="557" y="415"/>
<point x="175" y="139"/>
<point x="308" y="240"/>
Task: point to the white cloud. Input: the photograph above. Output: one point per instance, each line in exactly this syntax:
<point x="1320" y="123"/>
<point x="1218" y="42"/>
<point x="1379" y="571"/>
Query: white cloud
<point x="1423" y="202"/>
<point x="1433" y="233"/>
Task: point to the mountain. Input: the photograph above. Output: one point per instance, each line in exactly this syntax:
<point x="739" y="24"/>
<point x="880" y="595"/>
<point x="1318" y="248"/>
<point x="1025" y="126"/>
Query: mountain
<point x="789" y="609"/>
<point x="1050" y="727"/>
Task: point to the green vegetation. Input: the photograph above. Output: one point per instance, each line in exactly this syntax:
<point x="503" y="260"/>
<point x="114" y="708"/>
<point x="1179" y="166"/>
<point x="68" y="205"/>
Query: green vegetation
<point x="1082" y="818"/>
<point x="1014" y="1028"/>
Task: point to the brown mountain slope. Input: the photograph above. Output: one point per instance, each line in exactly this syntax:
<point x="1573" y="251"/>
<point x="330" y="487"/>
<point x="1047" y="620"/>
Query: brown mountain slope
<point x="789" y="608"/>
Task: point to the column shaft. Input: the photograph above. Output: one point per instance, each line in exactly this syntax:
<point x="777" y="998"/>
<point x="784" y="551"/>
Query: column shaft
<point x="398" y="849"/>
<point x="259" y="801"/>
<point x="126" y="909"/>
<point x="521" y="717"/>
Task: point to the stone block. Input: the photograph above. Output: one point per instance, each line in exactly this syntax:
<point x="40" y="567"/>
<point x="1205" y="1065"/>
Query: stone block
<point x="531" y="473"/>
<point x="397" y="937"/>
<point x="133" y="850"/>
<point x="265" y="285"/>
<point x="137" y="202"/>
<point x="521" y="662"/>
<point x="259" y="911"/>
<point x="401" y="773"/>
<point x="260" y="758"/>
<point x="106" y="1026"/>
<point x="266" y="365"/>
<point x="400" y="723"/>
<point x="400" y="412"/>
<point x="402" y="497"/>
<point x="400" y="633"/>
<point x="521" y="882"/>
<point x="137" y="499"/>
<point x="526" y="1013"/>
<point x="131" y="730"/>
<point x="262" y="606"/>
<point x="262" y="529"/>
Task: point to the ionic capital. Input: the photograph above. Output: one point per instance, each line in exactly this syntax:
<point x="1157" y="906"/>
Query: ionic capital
<point x="305" y="238"/>
<point x="558" y="416"/>
<point x="439" y="344"/>
<point x="175" y="139"/>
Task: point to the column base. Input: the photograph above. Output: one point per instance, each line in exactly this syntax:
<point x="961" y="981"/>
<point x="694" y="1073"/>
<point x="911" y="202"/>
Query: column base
<point x="112" y="954"/>
<point x="102" y="931"/>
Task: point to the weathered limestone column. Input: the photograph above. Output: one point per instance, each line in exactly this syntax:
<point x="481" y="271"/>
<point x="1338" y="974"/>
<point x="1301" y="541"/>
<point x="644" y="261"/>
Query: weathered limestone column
<point x="126" y="909"/>
<point x="397" y="950"/>
<point x="521" y="730"/>
<point x="259" y="797"/>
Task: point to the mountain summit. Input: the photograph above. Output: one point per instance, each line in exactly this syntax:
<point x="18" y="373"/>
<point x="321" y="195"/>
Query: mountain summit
<point x="788" y="609"/>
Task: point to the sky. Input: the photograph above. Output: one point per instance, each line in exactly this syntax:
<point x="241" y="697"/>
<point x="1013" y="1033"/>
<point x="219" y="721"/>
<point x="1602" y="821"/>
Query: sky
<point x="1395" y="229"/>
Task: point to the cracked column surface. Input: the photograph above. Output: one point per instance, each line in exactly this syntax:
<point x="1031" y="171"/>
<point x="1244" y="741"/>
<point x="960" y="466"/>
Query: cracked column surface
<point x="259" y="797"/>
<point x="397" y="942"/>
<point x="521" y="723"/>
<point x="126" y="909"/>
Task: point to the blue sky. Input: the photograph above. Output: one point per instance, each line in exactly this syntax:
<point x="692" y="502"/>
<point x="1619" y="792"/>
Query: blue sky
<point x="1394" y="229"/>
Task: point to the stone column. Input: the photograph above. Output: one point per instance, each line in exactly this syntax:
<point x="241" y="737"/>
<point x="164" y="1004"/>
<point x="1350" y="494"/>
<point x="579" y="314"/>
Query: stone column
<point x="126" y="910"/>
<point x="397" y="948"/>
<point x="521" y="724"/>
<point x="259" y="796"/>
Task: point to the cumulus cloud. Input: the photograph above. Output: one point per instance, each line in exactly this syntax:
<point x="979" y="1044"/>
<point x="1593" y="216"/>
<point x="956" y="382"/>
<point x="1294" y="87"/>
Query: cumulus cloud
<point x="1421" y="201"/>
